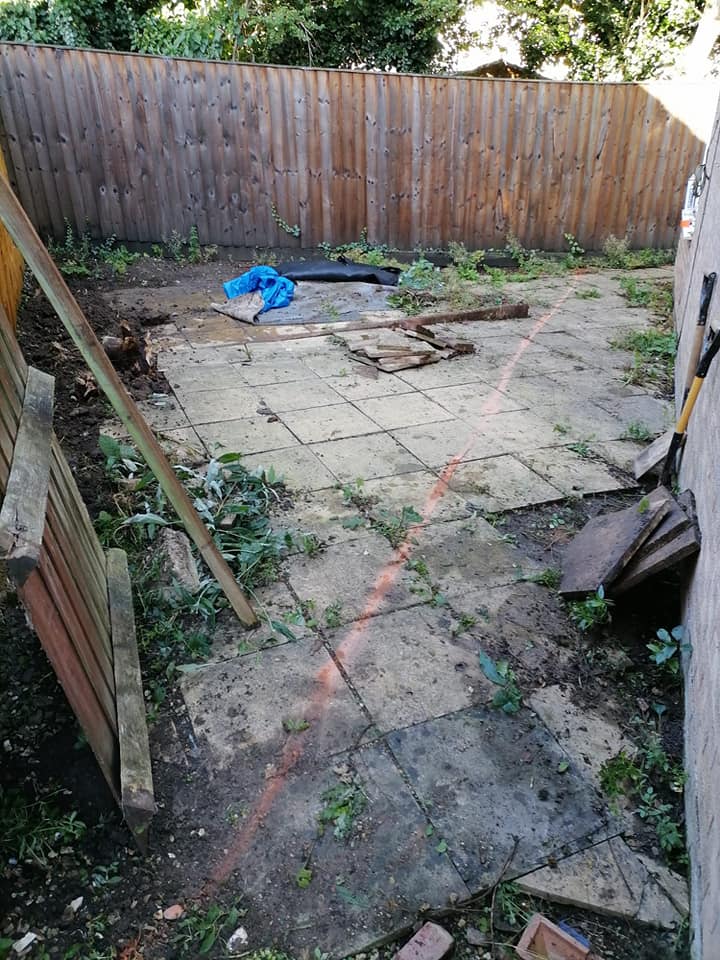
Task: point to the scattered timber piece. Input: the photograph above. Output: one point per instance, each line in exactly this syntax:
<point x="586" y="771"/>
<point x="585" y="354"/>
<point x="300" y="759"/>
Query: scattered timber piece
<point x="670" y="555"/>
<point x="672" y="525"/>
<point x="604" y="546"/>
<point x="652" y="456"/>
<point x="35" y="254"/>
<point x="136" y="783"/>
<point x="506" y="311"/>
<point x="441" y="342"/>
<point x="22" y="518"/>
<point x="391" y="364"/>
<point x="544" y="939"/>
<point x="431" y="942"/>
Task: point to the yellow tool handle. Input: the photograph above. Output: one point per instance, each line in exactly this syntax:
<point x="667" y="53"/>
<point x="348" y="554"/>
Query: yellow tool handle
<point x="688" y="405"/>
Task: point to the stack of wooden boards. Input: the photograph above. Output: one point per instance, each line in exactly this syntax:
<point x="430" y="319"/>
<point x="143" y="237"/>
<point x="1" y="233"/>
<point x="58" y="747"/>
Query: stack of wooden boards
<point x="619" y="550"/>
<point x="391" y="350"/>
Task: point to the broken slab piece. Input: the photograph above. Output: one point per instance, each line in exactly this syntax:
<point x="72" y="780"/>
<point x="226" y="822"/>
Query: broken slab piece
<point x="431" y="942"/>
<point x="613" y="880"/>
<point x="652" y="456"/>
<point x="179" y="569"/>
<point x="605" y="545"/>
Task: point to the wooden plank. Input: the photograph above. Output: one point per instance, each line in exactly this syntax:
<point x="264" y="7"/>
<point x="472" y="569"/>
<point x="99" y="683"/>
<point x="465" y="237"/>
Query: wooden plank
<point x="56" y="642"/>
<point x="22" y="517"/>
<point x="605" y="545"/>
<point x="685" y="545"/>
<point x="136" y="782"/>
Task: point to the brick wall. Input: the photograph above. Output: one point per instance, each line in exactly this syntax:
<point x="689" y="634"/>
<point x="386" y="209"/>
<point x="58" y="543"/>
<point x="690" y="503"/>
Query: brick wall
<point x="701" y="473"/>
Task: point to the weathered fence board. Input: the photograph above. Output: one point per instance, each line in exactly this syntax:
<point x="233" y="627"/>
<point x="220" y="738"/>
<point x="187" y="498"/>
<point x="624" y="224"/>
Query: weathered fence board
<point x="140" y="147"/>
<point x="11" y="265"/>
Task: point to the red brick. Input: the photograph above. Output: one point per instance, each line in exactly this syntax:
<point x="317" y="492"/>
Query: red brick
<point x="431" y="942"/>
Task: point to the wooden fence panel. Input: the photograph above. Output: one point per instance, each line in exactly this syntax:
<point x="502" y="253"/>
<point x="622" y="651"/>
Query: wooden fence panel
<point x="140" y="147"/>
<point x="11" y="266"/>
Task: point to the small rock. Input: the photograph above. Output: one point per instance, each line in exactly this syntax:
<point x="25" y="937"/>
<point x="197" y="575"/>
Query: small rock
<point x="476" y="937"/>
<point x="24" y="943"/>
<point x="238" y="939"/>
<point x="174" y="912"/>
<point x="178" y="563"/>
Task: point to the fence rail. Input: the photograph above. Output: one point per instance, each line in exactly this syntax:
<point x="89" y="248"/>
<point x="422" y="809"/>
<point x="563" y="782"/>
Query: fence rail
<point x="139" y="147"/>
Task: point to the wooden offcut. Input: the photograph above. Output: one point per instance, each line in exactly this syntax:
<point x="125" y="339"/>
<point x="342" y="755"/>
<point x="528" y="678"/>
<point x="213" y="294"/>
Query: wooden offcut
<point x="672" y="553"/>
<point x="604" y="546"/>
<point x="136" y="782"/>
<point x="11" y="266"/>
<point x="22" y="518"/>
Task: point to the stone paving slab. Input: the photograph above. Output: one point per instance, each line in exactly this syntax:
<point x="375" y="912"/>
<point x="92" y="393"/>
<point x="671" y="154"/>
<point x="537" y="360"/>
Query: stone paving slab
<point x="237" y="707"/>
<point x="502" y="483"/>
<point x="409" y="410"/>
<point x="344" y="574"/>
<point x="251" y="435"/>
<point x="469" y="401"/>
<point x="298" y="466"/>
<point x="413" y="490"/>
<point x="488" y="778"/>
<point x="377" y="455"/>
<point x="410" y="667"/>
<point x="216" y="406"/>
<point x="321" y="514"/>
<point x="273" y="370"/>
<point x="337" y="422"/>
<point x="296" y="395"/>
<point x="360" y="385"/>
<point x="360" y="889"/>
<point x="574" y="475"/>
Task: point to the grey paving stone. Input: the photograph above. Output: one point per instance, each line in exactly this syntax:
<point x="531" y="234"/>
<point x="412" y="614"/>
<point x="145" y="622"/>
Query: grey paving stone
<point x="215" y="406"/>
<point x="470" y="401"/>
<point x="237" y="711"/>
<point x="437" y="443"/>
<point x="359" y="890"/>
<point x="657" y="415"/>
<point x="321" y="514"/>
<point x="358" y="385"/>
<point x="404" y="410"/>
<point x="488" y="779"/>
<point x="502" y="483"/>
<point x="255" y="435"/>
<point x="408" y="667"/>
<point x="464" y="552"/>
<point x="621" y="453"/>
<point x="376" y="455"/>
<point x="574" y="475"/>
<point x="277" y="369"/>
<point x="337" y="421"/>
<point x="445" y="374"/>
<point x="296" y="395"/>
<point x="581" y="420"/>
<point x="423" y="491"/>
<point x="169" y="415"/>
<point x="346" y="576"/>
<point x="298" y="466"/>
<point x="197" y="377"/>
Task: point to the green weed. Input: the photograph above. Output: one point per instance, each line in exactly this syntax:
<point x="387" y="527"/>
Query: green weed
<point x="333" y="615"/>
<point x="343" y="803"/>
<point x="393" y="527"/>
<point x="295" y="726"/>
<point x="292" y="229"/>
<point x="465" y="622"/>
<point x="666" y="653"/>
<point x="588" y="293"/>
<point x="550" y="577"/>
<point x="508" y="697"/>
<point x="581" y="448"/>
<point x="466" y="262"/>
<point x="591" y="612"/>
<point x="637" y="430"/>
<point x="35" y="830"/>
<point x="200" y="929"/>
<point x="654" y="352"/>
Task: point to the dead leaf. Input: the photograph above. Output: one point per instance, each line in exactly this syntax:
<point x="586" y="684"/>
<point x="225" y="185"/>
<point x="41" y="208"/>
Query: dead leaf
<point x="174" y="912"/>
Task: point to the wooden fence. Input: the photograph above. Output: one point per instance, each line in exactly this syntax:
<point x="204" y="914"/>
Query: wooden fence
<point x="11" y="267"/>
<point x="140" y="147"/>
<point x="78" y="601"/>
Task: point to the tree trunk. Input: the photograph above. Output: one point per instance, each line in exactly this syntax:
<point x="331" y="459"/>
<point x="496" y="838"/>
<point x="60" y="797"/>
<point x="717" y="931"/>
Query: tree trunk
<point x="693" y="62"/>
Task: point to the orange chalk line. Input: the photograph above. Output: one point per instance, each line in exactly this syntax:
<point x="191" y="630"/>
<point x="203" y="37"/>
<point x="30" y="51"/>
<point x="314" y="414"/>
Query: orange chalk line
<point x="328" y="677"/>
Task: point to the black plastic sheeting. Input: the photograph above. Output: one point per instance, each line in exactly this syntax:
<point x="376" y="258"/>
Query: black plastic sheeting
<point x="338" y="271"/>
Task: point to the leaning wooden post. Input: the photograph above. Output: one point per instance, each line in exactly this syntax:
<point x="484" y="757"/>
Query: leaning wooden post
<point x="50" y="279"/>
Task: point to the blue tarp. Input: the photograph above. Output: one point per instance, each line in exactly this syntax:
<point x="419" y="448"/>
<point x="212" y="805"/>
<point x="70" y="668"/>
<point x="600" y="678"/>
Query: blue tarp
<point x="276" y="291"/>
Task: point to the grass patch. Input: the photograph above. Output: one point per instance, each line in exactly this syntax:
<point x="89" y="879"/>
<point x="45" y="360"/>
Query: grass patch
<point x="654" y="351"/>
<point x="35" y="830"/>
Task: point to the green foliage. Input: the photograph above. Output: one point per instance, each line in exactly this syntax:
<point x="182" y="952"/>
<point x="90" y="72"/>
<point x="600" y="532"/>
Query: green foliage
<point x="467" y="262"/>
<point x="343" y="803"/>
<point x="80" y="257"/>
<point x="421" y="276"/>
<point x="292" y="229"/>
<point x="393" y="527"/>
<point x="666" y="653"/>
<point x="199" y="930"/>
<point x="303" y="877"/>
<point x="581" y="448"/>
<point x="106" y="24"/>
<point x="333" y="615"/>
<point x="588" y="293"/>
<point x="508" y="698"/>
<point x="637" y="430"/>
<point x="35" y="830"/>
<point x="617" y="253"/>
<point x="613" y="39"/>
<point x="550" y="577"/>
<point x="465" y="622"/>
<point x="654" y="352"/>
<point x="591" y="612"/>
